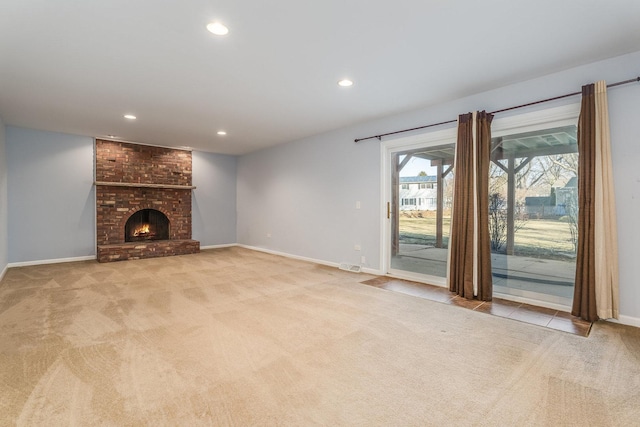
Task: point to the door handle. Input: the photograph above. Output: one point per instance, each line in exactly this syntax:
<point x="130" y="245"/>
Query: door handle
<point x="388" y="210"/>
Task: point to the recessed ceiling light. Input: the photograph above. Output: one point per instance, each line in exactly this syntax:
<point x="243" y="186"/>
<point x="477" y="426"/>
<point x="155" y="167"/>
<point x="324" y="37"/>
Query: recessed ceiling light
<point x="218" y="29"/>
<point x="345" y="83"/>
<point x="130" y="116"/>
<point x="222" y="133"/>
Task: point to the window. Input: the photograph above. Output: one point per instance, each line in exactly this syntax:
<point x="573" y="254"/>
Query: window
<point x="405" y="186"/>
<point x="426" y="185"/>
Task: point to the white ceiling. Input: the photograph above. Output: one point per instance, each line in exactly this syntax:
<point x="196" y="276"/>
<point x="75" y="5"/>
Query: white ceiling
<point x="77" y="66"/>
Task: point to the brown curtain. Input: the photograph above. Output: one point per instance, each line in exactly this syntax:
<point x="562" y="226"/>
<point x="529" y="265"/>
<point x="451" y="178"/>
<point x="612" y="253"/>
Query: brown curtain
<point x="470" y="252"/>
<point x="584" y="297"/>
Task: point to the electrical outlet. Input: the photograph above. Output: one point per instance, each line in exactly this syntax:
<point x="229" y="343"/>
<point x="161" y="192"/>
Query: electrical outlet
<point x="358" y="204"/>
<point x="356" y="247"/>
<point x="269" y="235"/>
<point x="363" y="260"/>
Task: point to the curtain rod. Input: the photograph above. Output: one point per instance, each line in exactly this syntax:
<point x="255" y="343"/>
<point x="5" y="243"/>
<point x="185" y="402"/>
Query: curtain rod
<point x="379" y="137"/>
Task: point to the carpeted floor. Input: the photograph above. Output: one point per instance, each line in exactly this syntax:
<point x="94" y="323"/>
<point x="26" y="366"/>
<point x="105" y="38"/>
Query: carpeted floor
<point x="236" y="337"/>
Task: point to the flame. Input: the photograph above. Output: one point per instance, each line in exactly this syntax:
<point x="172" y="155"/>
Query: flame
<point x="142" y="230"/>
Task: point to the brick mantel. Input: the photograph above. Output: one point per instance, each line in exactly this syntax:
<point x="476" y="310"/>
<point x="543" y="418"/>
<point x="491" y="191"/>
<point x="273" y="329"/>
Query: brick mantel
<point x="131" y="177"/>
<point x="140" y="185"/>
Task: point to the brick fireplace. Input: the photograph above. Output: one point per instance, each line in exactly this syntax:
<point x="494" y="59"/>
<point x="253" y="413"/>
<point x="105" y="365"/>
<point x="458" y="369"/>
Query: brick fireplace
<point x="136" y="187"/>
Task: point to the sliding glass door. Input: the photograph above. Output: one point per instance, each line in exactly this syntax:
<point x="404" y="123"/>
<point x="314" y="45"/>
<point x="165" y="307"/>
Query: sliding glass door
<point x="419" y="210"/>
<point x="532" y="206"/>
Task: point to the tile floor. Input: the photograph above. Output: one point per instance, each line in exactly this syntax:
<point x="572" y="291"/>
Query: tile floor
<point x="540" y="316"/>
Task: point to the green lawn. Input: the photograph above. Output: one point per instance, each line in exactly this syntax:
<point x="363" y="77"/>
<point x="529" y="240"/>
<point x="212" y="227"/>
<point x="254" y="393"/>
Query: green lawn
<point x="538" y="238"/>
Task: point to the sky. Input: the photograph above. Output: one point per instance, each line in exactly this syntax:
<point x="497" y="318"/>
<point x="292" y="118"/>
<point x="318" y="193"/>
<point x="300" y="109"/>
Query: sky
<point x="416" y="165"/>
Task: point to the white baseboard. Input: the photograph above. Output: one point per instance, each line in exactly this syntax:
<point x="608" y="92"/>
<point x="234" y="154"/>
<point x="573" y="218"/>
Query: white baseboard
<point x="302" y="258"/>
<point x="626" y="320"/>
<point x="50" y="261"/>
<point x="313" y="260"/>
<point x="4" y="271"/>
<point x="287" y="255"/>
<point x="229" y="245"/>
<point x="373" y="271"/>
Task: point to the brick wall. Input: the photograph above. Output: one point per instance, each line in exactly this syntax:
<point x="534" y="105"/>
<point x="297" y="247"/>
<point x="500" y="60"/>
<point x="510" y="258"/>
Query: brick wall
<point x="120" y="162"/>
<point x="124" y="162"/>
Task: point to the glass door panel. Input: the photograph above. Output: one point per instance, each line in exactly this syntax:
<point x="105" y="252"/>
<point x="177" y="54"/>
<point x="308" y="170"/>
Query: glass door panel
<point x="533" y="214"/>
<point x="420" y="209"/>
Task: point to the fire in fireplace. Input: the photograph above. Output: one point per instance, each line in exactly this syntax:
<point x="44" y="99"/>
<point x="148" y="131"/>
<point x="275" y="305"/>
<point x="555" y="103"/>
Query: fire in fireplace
<point x="146" y="224"/>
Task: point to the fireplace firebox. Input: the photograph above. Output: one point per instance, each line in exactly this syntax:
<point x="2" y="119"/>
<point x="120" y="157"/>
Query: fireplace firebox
<point x="146" y="224"/>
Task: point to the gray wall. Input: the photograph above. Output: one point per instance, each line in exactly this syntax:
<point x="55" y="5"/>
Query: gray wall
<point x="4" y="239"/>
<point x="214" y="199"/>
<point x="51" y="195"/>
<point x="304" y="193"/>
<point x="624" y="109"/>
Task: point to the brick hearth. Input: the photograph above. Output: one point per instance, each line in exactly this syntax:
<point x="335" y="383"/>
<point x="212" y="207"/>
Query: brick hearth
<point x="137" y="250"/>
<point x="131" y="177"/>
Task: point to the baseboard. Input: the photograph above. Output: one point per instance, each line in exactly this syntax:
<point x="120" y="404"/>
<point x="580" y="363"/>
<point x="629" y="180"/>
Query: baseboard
<point x="287" y="255"/>
<point x="50" y="261"/>
<point x="85" y="258"/>
<point x="626" y="320"/>
<point x="4" y="271"/>
<point x="302" y="258"/>
<point x="228" y="245"/>
<point x="373" y="271"/>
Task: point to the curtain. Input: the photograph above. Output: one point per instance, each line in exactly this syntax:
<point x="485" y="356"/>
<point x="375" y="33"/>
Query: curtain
<point x="584" y="297"/>
<point x="469" y="249"/>
<point x="596" y="290"/>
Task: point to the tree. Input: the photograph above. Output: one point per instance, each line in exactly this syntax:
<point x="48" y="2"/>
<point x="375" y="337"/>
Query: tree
<point x="498" y="221"/>
<point x="572" y="218"/>
<point x="549" y="171"/>
<point x="422" y="173"/>
<point x="497" y="178"/>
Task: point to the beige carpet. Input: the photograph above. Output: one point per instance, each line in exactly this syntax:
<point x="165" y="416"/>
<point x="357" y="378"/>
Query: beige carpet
<point x="236" y="337"/>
